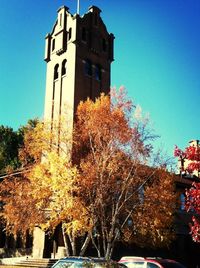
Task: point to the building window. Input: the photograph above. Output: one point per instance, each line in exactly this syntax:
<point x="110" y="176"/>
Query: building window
<point x="56" y="71"/>
<point x="70" y="34"/>
<point x="88" y="67"/>
<point x="60" y="19"/>
<point x="97" y="72"/>
<point x="104" y="45"/>
<point x="182" y="201"/>
<point x="83" y="34"/>
<point x="53" y="44"/>
<point x="63" y="71"/>
<point x="95" y="19"/>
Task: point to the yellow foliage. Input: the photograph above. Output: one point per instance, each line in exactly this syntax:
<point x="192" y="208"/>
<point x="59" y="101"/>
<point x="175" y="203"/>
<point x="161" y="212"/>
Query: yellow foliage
<point x="55" y="181"/>
<point x="92" y="177"/>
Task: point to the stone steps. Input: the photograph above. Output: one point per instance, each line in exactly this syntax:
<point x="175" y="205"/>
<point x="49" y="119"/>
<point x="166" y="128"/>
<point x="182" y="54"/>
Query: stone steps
<point x="33" y="263"/>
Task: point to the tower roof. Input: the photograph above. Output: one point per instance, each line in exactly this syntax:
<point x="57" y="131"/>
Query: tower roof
<point x="94" y="9"/>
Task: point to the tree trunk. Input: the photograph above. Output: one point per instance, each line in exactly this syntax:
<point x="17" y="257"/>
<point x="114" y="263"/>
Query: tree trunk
<point x="85" y="244"/>
<point x="65" y="241"/>
<point x="97" y="247"/>
<point x="72" y="240"/>
<point x="108" y="250"/>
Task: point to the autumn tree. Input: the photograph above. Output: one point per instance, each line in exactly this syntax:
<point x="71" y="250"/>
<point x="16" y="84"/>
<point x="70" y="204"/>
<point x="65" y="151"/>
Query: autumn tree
<point x="45" y="193"/>
<point x="190" y="164"/>
<point x="95" y="183"/>
<point x="19" y="213"/>
<point x="112" y="148"/>
<point x="14" y="185"/>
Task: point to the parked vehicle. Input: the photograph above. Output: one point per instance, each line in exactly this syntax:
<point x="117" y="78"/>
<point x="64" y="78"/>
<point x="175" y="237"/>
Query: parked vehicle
<point x="84" y="262"/>
<point x="140" y="262"/>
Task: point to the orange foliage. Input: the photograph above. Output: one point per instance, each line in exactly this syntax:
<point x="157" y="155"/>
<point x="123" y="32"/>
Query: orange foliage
<point x="98" y="191"/>
<point x="20" y="211"/>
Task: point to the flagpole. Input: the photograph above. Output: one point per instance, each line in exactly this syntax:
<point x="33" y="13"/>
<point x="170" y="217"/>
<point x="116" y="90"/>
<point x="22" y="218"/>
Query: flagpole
<point x="78" y="6"/>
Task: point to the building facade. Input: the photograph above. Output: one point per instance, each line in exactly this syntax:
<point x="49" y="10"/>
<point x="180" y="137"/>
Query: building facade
<point x="78" y="53"/>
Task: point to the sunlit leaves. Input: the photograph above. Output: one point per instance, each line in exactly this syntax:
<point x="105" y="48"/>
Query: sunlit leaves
<point x="193" y="205"/>
<point x="113" y="174"/>
<point x="94" y="179"/>
<point x="154" y="217"/>
<point x="20" y="206"/>
<point x="192" y="156"/>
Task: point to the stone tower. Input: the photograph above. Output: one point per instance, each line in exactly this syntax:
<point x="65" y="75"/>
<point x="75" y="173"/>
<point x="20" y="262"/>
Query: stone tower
<point x="78" y="52"/>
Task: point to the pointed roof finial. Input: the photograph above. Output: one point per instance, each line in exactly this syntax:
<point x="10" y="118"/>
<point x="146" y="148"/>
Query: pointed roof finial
<point x="78" y="7"/>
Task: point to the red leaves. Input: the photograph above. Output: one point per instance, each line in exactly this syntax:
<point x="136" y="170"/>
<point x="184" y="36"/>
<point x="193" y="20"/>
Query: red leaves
<point x="192" y="153"/>
<point x="193" y="205"/>
<point x="178" y="152"/>
<point x="193" y="166"/>
<point x="193" y="198"/>
<point x="191" y="159"/>
<point x="195" y="230"/>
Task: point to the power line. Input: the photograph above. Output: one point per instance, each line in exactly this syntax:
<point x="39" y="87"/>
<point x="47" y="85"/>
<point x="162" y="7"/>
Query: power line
<point x="17" y="172"/>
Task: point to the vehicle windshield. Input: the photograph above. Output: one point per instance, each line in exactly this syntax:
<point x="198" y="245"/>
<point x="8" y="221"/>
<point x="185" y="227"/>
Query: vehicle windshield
<point x="86" y="264"/>
<point x="130" y="264"/>
<point x="63" y="264"/>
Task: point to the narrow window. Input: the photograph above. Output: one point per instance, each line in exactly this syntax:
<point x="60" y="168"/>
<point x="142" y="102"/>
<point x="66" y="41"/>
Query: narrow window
<point x="104" y="45"/>
<point x="56" y="71"/>
<point x="60" y="19"/>
<point x="83" y="34"/>
<point x="53" y="44"/>
<point x="97" y="72"/>
<point x="88" y="67"/>
<point x="64" y="63"/>
<point x="70" y="33"/>
<point x="95" y="19"/>
<point x="182" y="199"/>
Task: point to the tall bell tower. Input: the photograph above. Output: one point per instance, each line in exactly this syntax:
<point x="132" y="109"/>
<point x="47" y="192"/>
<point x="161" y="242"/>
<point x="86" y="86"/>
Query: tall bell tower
<point x="78" y="53"/>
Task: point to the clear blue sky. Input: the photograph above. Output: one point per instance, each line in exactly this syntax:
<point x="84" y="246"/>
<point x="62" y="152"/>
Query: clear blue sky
<point x="157" y="59"/>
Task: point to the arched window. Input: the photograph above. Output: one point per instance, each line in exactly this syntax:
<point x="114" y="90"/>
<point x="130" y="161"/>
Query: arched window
<point x="64" y="67"/>
<point x="53" y="44"/>
<point x="88" y="67"/>
<point x="56" y="71"/>
<point x="182" y="200"/>
<point x="70" y="33"/>
<point x="97" y="72"/>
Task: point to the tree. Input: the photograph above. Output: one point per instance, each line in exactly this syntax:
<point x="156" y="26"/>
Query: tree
<point x="117" y="187"/>
<point x="96" y="182"/>
<point x="47" y="187"/>
<point x="191" y="155"/>
<point x="10" y="142"/>
<point x="20" y="213"/>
